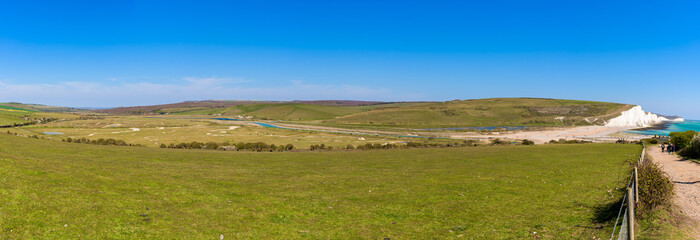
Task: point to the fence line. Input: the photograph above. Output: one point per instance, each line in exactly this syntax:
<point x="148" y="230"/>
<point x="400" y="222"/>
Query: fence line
<point x="626" y="230"/>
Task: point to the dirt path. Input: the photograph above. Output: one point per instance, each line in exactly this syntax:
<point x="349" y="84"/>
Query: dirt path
<point x="686" y="180"/>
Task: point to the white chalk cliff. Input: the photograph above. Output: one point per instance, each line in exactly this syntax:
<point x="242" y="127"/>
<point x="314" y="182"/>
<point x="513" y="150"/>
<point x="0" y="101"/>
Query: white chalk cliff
<point x="636" y="117"/>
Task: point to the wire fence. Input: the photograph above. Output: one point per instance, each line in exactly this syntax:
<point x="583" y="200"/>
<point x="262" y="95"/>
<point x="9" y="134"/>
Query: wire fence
<point x="626" y="229"/>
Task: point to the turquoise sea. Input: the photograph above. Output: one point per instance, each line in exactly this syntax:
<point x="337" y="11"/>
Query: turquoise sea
<point x="671" y="127"/>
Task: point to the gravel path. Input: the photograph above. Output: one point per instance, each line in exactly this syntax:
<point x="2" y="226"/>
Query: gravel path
<point x="686" y="180"/>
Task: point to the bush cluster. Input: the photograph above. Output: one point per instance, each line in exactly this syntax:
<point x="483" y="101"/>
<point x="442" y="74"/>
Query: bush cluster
<point x="564" y="141"/>
<point x="320" y="147"/>
<point x="101" y="141"/>
<point x="465" y="143"/>
<point x="22" y="135"/>
<point x="682" y="139"/>
<point x="693" y="149"/>
<point x="371" y="146"/>
<point x="241" y="146"/>
<point x="651" y="140"/>
<point x="655" y="187"/>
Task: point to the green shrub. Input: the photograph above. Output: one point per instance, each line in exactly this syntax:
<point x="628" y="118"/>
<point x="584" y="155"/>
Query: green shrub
<point x="101" y="141"/>
<point x="288" y="147"/>
<point x="693" y="149"/>
<point x="211" y="145"/>
<point x="564" y="141"/>
<point x="682" y="139"/>
<point x="655" y="187"/>
<point x="528" y="142"/>
<point x="498" y="141"/>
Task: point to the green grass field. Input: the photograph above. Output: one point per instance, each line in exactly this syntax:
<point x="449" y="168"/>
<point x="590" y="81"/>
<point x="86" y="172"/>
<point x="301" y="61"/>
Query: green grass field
<point x="11" y="113"/>
<point x="153" y="132"/>
<point x="6" y="119"/>
<point x="9" y="116"/>
<point x="284" y="111"/>
<point x="55" y="190"/>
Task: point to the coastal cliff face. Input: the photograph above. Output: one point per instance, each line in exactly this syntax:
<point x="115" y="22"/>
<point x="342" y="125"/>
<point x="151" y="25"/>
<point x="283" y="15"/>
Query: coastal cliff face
<point x="636" y="117"/>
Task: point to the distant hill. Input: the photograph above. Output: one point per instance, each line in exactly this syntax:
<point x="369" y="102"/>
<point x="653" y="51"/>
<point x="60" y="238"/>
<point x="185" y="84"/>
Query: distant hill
<point x="291" y="110"/>
<point x="18" y="113"/>
<point x="458" y="113"/>
<point x="489" y="112"/>
<point x="37" y="107"/>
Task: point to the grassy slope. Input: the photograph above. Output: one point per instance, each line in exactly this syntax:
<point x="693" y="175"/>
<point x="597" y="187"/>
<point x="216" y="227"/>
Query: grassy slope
<point x="286" y="111"/>
<point x="487" y="112"/>
<point x="188" y="130"/>
<point x="296" y="111"/>
<point x="479" y="112"/>
<point x="37" y="107"/>
<point x="60" y="190"/>
<point x="9" y="119"/>
<point x="11" y="115"/>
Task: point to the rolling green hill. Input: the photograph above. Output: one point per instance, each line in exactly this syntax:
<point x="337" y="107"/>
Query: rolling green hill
<point x="281" y="111"/>
<point x="488" y="112"/>
<point x="37" y="107"/>
<point x="9" y="119"/>
<point x="458" y="113"/>
<point x="11" y="115"/>
<point x="18" y="113"/>
<point x="286" y="111"/>
<point x="57" y="190"/>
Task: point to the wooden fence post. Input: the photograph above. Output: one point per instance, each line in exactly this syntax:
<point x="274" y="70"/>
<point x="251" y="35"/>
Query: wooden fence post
<point x="636" y="186"/>
<point x="630" y="214"/>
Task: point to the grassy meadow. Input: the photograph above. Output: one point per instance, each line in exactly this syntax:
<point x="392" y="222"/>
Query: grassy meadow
<point x="285" y="111"/>
<point x="56" y="190"/>
<point x="15" y="113"/>
<point x="9" y="119"/>
<point x="152" y="132"/>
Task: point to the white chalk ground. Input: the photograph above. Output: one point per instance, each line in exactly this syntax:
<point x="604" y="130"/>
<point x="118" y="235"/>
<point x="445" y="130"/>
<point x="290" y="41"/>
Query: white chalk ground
<point x="132" y="130"/>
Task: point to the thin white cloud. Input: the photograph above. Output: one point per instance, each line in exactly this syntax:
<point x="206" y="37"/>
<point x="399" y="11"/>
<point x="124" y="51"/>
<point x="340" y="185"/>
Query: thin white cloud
<point x="91" y="94"/>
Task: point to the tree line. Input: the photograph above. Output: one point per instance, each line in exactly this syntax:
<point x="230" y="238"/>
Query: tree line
<point x="101" y="141"/>
<point x="228" y="146"/>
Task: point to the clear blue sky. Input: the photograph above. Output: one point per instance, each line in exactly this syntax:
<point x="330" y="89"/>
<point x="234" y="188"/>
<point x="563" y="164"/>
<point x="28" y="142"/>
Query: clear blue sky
<point x="91" y="53"/>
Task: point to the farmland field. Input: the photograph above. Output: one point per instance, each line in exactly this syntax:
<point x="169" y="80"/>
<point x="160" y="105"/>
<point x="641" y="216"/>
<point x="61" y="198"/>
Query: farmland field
<point x="152" y="132"/>
<point x="56" y="190"/>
